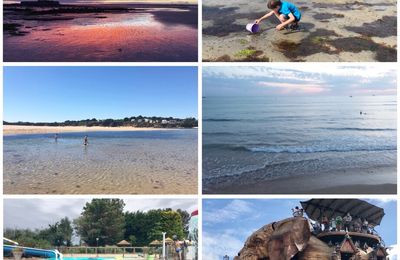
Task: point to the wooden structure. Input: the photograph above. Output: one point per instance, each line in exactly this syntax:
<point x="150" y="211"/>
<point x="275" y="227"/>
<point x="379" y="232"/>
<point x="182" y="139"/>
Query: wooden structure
<point x="293" y="238"/>
<point x="123" y="243"/>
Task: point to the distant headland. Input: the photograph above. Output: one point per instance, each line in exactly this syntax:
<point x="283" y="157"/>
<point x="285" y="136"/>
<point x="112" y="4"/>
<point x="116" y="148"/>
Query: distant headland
<point x="134" y="121"/>
<point x="40" y="3"/>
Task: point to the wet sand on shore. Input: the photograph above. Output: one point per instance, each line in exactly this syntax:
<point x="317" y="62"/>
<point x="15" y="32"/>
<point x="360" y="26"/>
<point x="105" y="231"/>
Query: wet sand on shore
<point x="18" y="129"/>
<point x="379" y="180"/>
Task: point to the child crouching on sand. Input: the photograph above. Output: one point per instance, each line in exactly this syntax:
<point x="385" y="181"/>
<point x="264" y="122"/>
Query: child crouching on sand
<point x="286" y="12"/>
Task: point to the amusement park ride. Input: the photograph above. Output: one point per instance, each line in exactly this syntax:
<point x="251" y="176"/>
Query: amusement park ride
<point x="301" y="238"/>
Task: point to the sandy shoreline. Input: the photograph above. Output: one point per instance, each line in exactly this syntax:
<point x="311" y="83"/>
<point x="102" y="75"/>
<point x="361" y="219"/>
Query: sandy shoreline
<point x="379" y="180"/>
<point x="18" y="130"/>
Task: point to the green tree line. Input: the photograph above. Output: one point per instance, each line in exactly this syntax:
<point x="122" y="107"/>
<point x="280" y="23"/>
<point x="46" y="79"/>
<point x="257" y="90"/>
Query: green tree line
<point x="104" y="222"/>
<point x="137" y="121"/>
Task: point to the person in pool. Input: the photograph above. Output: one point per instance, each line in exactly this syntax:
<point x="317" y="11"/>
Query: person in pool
<point x="287" y="13"/>
<point x="178" y="247"/>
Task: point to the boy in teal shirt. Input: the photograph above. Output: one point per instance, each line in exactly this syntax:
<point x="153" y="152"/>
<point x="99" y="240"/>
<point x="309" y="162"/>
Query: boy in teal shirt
<point x="286" y="12"/>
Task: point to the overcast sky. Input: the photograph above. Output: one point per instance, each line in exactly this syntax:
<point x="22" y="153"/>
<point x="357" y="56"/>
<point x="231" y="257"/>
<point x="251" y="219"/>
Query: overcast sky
<point x="39" y="213"/>
<point x="233" y="221"/>
<point x="300" y="79"/>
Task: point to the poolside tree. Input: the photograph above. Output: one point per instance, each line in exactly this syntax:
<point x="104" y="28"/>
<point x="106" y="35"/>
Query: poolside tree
<point x="138" y="224"/>
<point x="101" y="219"/>
<point x="65" y="231"/>
<point x="185" y="216"/>
<point x="58" y="234"/>
<point x="28" y="238"/>
<point x="148" y="226"/>
<point x="170" y="222"/>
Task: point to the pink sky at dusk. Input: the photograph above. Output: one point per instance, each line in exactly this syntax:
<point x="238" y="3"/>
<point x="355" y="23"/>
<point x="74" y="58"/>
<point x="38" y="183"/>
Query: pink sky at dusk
<point x="298" y="88"/>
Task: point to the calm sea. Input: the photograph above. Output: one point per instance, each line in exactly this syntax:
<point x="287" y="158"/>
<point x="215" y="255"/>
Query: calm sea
<point x="165" y="34"/>
<point x="286" y="136"/>
<point x="113" y="162"/>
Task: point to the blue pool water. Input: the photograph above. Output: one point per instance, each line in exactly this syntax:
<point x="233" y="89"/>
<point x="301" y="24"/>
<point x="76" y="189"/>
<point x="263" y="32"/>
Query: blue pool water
<point x="86" y="258"/>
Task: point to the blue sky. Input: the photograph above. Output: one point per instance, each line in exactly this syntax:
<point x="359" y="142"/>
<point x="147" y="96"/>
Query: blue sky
<point x="47" y="94"/>
<point x="227" y="223"/>
<point x="299" y="80"/>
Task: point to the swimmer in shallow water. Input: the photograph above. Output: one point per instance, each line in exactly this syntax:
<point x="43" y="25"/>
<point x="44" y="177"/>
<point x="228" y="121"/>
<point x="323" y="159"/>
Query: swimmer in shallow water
<point x="85" y="140"/>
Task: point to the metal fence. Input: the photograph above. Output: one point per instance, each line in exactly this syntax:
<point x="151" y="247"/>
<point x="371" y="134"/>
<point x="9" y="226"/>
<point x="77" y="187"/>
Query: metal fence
<point x="124" y="251"/>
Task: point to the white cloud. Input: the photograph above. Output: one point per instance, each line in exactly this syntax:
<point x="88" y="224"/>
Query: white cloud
<point x="393" y="252"/>
<point x="301" y="72"/>
<point x="381" y="202"/>
<point x="215" y="246"/>
<point x="39" y="213"/>
<point x="233" y="210"/>
<point x="299" y="88"/>
<point x="147" y="204"/>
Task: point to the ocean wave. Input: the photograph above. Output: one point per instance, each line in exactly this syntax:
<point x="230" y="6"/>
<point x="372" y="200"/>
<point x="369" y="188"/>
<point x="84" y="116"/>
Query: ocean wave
<point x="358" y="129"/>
<point x="225" y="147"/>
<point x="320" y="149"/>
<point x="265" y="148"/>
<point x="221" y="120"/>
<point x="278" y="165"/>
<point x="218" y="133"/>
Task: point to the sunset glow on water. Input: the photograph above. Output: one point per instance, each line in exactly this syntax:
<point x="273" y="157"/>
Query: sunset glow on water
<point x="139" y="36"/>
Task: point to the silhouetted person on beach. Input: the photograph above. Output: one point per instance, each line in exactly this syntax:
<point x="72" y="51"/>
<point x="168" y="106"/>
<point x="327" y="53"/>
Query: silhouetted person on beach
<point x="360" y="112"/>
<point x="85" y="140"/>
<point x="56" y="137"/>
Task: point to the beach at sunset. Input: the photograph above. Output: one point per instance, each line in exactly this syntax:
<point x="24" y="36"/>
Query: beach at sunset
<point x="100" y="31"/>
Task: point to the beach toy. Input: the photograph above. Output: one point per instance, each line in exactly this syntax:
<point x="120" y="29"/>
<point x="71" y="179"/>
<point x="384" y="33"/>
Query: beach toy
<point x="253" y="27"/>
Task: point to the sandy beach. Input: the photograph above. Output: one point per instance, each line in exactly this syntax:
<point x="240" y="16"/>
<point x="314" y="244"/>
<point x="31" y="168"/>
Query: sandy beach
<point x="379" y="180"/>
<point x="18" y="129"/>
<point x="123" y="160"/>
